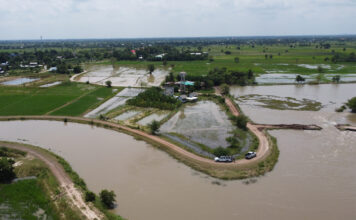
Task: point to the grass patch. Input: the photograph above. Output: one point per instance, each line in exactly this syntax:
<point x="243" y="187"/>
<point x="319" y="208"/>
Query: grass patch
<point x="38" y="101"/>
<point x="86" y="102"/>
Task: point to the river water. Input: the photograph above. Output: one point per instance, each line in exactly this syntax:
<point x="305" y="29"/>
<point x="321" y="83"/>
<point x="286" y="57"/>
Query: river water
<point x="314" y="178"/>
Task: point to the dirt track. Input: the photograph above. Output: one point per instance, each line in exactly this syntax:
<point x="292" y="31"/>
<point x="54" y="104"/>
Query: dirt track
<point x="65" y="182"/>
<point x="263" y="139"/>
<point x="264" y="146"/>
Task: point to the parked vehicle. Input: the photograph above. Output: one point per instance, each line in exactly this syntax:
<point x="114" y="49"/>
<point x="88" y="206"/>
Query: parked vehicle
<point x="250" y="155"/>
<point x="224" y="159"/>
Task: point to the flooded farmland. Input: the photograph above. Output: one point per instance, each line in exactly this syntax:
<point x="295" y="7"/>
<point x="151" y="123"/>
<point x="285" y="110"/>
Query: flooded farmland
<point x="19" y="81"/>
<point x="123" y="76"/>
<point x="314" y="178"/>
<point x="203" y="123"/>
<point x="310" y="181"/>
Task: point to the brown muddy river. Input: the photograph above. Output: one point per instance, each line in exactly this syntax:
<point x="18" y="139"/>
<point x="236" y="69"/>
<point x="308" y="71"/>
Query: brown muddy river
<point x="315" y="177"/>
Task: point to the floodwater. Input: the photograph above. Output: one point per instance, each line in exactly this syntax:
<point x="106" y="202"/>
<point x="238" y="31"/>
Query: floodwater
<point x="153" y="117"/>
<point x="315" y="177"/>
<point x="51" y="84"/>
<point x="330" y="95"/>
<point x="127" y="115"/>
<point x="124" y="76"/>
<point x="203" y="122"/>
<point x="274" y="77"/>
<point x="19" y="81"/>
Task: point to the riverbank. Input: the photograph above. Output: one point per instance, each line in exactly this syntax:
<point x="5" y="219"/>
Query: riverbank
<point x="68" y="185"/>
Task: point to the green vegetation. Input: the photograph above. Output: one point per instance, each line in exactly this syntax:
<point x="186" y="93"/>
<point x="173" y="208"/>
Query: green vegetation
<point x="108" y="198"/>
<point x="33" y="198"/>
<point x="86" y="102"/>
<point x="352" y="104"/>
<point x="39" y="101"/>
<point x="89" y="196"/>
<point x="154" y="126"/>
<point x="25" y="200"/>
<point x="108" y="83"/>
<point x="240" y="121"/>
<point x="6" y="170"/>
<point x="281" y="103"/>
<point x="150" y="68"/>
<point x="154" y="98"/>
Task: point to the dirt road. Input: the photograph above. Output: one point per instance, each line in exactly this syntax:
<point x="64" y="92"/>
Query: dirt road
<point x="263" y="139"/>
<point x="264" y="146"/>
<point x="65" y="182"/>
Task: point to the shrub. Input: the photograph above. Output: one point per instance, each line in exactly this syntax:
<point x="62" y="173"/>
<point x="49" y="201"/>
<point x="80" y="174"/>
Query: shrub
<point x="108" y="198"/>
<point x="6" y="170"/>
<point x="154" y="126"/>
<point x="108" y="83"/>
<point x="241" y="122"/>
<point x="220" y="151"/>
<point x="351" y="103"/>
<point x="89" y="196"/>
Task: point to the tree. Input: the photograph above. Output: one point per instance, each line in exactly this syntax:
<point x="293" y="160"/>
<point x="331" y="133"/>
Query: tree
<point x="108" y="198"/>
<point x="150" y="68"/>
<point x="336" y="79"/>
<point x="225" y="89"/>
<point x="6" y="170"/>
<point x="77" y="69"/>
<point x="241" y="122"/>
<point x="154" y="126"/>
<point x="320" y="69"/>
<point x="89" y="196"/>
<point x="351" y="103"/>
<point x="237" y="60"/>
<point x="108" y="83"/>
<point x="299" y="78"/>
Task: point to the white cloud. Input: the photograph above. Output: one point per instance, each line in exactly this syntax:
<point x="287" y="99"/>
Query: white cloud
<point x="155" y="18"/>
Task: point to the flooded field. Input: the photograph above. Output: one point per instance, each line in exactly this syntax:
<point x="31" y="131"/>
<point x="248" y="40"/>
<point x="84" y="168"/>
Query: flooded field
<point x="127" y="115"/>
<point x="118" y="100"/>
<point x="50" y="84"/>
<point x="19" y="81"/>
<point x="274" y="77"/>
<point x="203" y="122"/>
<point x="153" y="117"/>
<point x="331" y="96"/>
<point x="124" y="76"/>
<point x="314" y="178"/>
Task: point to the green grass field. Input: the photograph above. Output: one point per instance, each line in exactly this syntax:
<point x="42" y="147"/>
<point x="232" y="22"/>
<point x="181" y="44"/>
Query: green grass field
<point x="25" y="200"/>
<point x="284" y="60"/>
<point x="38" y="101"/>
<point x="86" y="102"/>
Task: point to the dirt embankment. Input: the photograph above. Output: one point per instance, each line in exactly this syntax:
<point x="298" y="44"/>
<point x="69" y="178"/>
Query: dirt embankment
<point x="345" y="127"/>
<point x="74" y="195"/>
<point x="289" y="126"/>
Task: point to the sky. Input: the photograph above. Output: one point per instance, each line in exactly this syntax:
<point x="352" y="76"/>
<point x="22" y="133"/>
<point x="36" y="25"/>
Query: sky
<point x="72" y="19"/>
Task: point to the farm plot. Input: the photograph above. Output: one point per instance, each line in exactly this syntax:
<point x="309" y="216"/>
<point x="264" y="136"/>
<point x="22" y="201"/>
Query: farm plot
<point x="203" y="123"/>
<point x="118" y="100"/>
<point x="39" y="101"/>
<point x="124" y="76"/>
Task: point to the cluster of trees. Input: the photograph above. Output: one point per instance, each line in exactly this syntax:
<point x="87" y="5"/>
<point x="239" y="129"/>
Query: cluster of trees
<point x="64" y="60"/>
<point x="106" y="197"/>
<point x="220" y="76"/>
<point x="153" y="97"/>
<point x="342" y="57"/>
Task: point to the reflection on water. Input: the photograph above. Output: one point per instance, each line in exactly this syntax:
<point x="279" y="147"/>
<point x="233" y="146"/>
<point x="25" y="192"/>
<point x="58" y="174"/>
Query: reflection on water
<point x="315" y="177"/>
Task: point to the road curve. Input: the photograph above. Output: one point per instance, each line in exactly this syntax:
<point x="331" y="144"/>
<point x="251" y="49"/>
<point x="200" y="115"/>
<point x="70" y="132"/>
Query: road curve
<point x="264" y="145"/>
<point x="64" y="180"/>
<point x="262" y="138"/>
